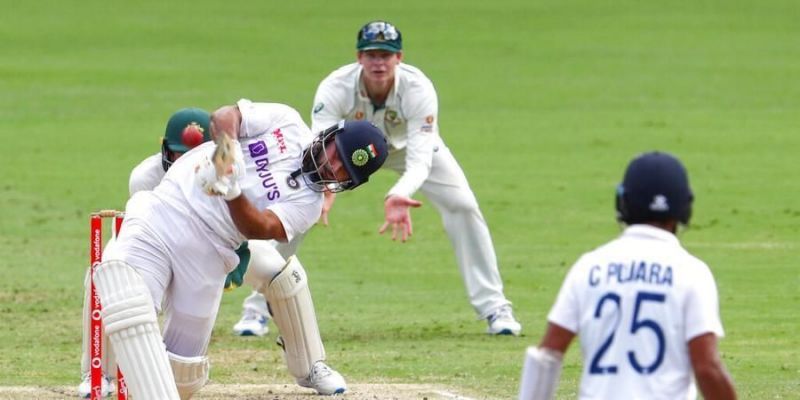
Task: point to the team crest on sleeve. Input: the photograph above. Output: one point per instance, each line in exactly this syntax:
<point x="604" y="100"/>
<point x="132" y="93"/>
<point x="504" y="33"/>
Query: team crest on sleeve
<point x="428" y="126"/>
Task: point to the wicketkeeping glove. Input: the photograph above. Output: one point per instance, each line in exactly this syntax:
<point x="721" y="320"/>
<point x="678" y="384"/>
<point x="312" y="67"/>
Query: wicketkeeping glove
<point x="236" y="277"/>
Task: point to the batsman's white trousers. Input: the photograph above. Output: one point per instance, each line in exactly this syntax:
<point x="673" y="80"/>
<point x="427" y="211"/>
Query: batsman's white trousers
<point x="447" y="188"/>
<point x="183" y="265"/>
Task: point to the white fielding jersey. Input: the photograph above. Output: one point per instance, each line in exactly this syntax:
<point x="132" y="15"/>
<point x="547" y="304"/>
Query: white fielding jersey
<point x="147" y="175"/>
<point x="272" y="138"/>
<point x="635" y="303"/>
<point x="409" y="118"/>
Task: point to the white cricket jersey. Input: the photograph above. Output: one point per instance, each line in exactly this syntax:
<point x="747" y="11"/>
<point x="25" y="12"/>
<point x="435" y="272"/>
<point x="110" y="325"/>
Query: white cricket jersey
<point x="635" y="303"/>
<point x="147" y="175"/>
<point x="408" y="119"/>
<point x="272" y="138"/>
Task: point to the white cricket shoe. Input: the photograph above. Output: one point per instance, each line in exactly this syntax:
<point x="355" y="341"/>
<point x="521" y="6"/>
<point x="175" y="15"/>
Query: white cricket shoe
<point x="251" y="324"/>
<point x="502" y="322"/>
<point x="324" y="380"/>
<point x="107" y="387"/>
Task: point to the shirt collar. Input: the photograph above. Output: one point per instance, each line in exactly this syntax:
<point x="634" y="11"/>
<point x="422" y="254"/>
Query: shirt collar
<point x="651" y="232"/>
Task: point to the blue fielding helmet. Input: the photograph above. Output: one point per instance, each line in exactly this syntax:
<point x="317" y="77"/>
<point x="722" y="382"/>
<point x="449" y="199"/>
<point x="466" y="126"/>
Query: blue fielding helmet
<point x="655" y="188"/>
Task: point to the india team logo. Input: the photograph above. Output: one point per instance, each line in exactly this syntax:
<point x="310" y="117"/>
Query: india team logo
<point x="360" y="157"/>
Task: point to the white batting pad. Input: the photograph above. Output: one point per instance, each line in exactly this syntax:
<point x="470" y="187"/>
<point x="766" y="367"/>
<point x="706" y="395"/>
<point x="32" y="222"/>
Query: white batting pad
<point x="129" y="319"/>
<point x="265" y="263"/>
<point x="108" y="361"/>
<point x="293" y="311"/>
<point x="540" y="374"/>
<point x="191" y="373"/>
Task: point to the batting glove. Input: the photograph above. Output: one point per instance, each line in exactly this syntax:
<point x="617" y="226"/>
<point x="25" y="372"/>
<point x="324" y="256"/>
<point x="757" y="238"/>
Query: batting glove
<point x="226" y="186"/>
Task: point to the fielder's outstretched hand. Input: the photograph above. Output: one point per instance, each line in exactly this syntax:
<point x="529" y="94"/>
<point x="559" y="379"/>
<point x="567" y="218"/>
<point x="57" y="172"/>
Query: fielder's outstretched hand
<point x="327" y="204"/>
<point x="398" y="216"/>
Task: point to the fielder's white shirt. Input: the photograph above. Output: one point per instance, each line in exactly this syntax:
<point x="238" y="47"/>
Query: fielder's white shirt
<point x="272" y="138"/>
<point x="147" y="175"/>
<point x="408" y="119"/>
<point x="635" y="303"/>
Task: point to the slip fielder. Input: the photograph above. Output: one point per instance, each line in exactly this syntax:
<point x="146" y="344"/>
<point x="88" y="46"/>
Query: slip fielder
<point x="402" y="102"/>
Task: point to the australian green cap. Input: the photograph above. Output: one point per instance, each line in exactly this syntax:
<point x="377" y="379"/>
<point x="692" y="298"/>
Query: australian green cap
<point x="186" y="129"/>
<point x="379" y="35"/>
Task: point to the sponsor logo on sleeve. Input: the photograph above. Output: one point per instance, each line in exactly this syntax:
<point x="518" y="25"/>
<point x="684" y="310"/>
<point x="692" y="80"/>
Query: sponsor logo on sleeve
<point x="281" y="141"/>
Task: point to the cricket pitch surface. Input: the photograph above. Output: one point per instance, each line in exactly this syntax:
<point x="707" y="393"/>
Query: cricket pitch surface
<point x="367" y="391"/>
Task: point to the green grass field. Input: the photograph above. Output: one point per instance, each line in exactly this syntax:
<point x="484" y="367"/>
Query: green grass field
<point x="543" y="104"/>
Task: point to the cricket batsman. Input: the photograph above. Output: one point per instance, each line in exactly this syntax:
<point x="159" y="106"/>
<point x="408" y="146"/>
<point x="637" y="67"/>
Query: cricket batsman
<point x="262" y="179"/>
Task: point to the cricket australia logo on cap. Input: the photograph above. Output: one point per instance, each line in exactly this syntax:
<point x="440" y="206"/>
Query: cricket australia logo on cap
<point x="360" y="157"/>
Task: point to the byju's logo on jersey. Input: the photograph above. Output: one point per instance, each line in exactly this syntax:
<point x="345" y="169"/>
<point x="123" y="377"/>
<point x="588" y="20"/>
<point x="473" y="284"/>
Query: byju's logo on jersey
<point x="257" y="149"/>
<point x="258" y="152"/>
<point x="659" y="203"/>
